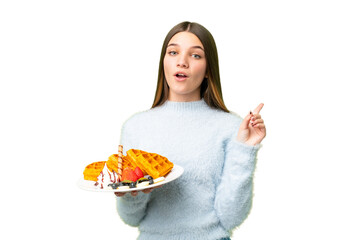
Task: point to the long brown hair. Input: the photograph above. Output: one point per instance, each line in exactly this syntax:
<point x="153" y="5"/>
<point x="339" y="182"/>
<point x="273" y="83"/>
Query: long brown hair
<point x="210" y="88"/>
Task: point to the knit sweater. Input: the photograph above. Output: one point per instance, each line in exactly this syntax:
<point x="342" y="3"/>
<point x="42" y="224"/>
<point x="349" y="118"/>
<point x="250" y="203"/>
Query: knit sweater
<point x="214" y="194"/>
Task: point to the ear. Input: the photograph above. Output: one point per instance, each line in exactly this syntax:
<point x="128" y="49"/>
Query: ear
<point x="206" y="74"/>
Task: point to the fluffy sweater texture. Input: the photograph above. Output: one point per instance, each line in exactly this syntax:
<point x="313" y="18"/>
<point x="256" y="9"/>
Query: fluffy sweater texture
<point x="214" y="194"/>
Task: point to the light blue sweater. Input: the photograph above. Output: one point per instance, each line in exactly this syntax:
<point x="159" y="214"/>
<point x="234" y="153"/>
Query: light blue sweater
<point x="214" y="194"/>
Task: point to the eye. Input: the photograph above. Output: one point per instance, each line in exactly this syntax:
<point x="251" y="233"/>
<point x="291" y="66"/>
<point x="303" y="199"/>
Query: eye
<point x="196" y="56"/>
<point x="172" y="53"/>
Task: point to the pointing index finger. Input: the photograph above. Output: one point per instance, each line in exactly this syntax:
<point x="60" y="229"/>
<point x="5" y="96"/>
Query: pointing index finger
<point x="257" y="110"/>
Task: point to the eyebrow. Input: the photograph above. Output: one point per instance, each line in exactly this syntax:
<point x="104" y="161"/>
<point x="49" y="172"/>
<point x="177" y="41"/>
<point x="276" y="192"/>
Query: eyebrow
<point x="175" y="44"/>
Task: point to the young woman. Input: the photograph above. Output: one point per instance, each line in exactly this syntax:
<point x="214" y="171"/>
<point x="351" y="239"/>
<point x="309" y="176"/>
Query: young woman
<point x="190" y="125"/>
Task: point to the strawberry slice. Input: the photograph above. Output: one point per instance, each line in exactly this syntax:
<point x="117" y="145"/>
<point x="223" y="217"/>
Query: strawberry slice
<point x="129" y="174"/>
<point x="138" y="173"/>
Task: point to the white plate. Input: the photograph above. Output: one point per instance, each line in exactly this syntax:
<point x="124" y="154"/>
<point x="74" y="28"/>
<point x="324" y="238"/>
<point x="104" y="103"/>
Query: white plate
<point x="176" y="172"/>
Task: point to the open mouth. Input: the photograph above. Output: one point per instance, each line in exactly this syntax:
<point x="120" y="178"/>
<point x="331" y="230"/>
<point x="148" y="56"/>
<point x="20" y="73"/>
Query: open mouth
<point x="181" y="76"/>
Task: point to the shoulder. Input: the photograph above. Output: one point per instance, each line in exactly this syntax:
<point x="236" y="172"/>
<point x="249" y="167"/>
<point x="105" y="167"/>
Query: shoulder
<point x="136" y="118"/>
<point x="131" y="129"/>
<point x="225" y="124"/>
<point x="235" y="118"/>
<point x="141" y="119"/>
<point x="229" y="119"/>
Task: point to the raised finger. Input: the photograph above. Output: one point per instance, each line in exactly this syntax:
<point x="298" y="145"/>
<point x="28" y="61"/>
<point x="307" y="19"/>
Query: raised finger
<point x="258" y="108"/>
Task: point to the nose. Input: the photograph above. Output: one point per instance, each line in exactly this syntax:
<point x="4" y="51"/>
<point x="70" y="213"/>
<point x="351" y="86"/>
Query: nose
<point x="182" y="62"/>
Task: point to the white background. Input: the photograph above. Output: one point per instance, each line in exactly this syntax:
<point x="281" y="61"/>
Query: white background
<point x="72" y="71"/>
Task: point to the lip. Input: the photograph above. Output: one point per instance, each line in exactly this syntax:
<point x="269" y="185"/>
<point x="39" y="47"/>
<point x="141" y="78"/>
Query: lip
<point x="180" y="79"/>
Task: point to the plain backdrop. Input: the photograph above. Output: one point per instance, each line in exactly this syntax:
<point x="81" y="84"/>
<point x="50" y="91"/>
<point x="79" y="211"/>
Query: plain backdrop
<point x="73" y="71"/>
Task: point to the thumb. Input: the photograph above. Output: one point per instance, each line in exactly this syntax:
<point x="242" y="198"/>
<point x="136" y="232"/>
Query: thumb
<point x="245" y="123"/>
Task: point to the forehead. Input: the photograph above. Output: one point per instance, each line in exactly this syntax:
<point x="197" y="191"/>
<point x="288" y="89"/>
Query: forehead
<point x="186" y="39"/>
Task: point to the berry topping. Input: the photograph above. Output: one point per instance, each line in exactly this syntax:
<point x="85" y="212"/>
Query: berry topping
<point x="129" y="174"/>
<point x="138" y="172"/>
<point x="114" y="185"/>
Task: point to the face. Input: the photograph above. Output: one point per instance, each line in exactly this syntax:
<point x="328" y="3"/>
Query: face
<point x="184" y="67"/>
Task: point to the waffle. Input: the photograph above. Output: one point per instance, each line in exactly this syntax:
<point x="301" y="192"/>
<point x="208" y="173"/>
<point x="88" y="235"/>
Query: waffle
<point x="128" y="162"/>
<point x="151" y="164"/>
<point x="112" y="163"/>
<point x="93" y="170"/>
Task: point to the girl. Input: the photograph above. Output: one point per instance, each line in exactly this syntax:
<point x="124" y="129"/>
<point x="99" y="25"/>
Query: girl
<point x="190" y="125"/>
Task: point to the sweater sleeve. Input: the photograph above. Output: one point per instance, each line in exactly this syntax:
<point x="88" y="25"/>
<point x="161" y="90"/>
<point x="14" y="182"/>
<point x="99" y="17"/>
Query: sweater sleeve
<point x="234" y="193"/>
<point x="131" y="209"/>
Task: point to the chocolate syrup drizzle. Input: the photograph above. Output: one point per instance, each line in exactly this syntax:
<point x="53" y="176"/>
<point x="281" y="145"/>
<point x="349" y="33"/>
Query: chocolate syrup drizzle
<point x="112" y="179"/>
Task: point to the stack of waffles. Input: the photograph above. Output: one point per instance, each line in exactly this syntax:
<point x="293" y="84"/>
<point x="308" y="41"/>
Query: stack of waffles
<point x="151" y="164"/>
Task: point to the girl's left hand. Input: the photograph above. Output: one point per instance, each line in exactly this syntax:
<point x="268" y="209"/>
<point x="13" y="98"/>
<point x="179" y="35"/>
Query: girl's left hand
<point x="252" y="129"/>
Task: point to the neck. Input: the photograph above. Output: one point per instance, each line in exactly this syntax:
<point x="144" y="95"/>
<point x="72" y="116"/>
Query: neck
<point x="184" y="98"/>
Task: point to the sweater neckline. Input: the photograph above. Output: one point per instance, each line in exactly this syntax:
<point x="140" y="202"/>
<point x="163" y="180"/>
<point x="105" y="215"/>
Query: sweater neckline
<point x="185" y="106"/>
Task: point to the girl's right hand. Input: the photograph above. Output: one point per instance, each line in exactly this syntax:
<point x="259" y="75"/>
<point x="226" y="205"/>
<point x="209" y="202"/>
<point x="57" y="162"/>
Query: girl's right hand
<point x="135" y="193"/>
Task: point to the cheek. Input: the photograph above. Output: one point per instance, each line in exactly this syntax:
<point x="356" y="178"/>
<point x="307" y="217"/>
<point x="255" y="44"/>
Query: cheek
<point x="200" y="70"/>
<point x="167" y="65"/>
